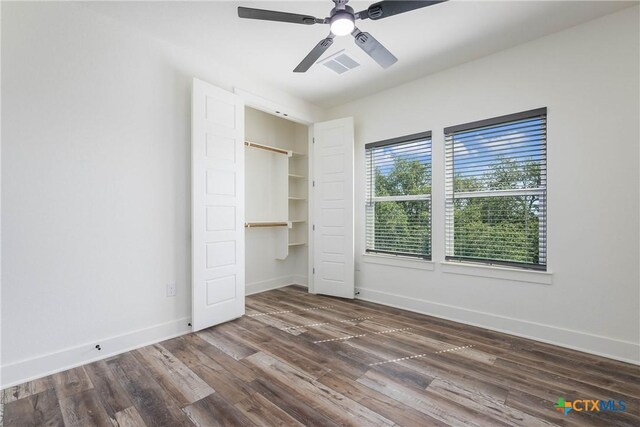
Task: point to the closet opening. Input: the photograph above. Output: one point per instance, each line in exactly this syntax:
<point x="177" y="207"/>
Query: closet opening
<point x="277" y="192"/>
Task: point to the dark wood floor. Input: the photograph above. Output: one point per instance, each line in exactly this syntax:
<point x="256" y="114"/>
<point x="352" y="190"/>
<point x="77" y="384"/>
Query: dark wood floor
<point x="301" y="359"/>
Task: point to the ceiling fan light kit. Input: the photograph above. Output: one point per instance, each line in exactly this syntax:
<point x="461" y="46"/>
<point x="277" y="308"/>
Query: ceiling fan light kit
<point x="342" y="22"/>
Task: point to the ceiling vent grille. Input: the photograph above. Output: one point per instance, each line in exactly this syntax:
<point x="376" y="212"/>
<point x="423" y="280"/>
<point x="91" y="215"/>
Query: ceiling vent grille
<point x="340" y="62"/>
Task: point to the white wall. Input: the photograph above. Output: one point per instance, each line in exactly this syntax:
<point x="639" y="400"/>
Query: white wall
<point x="1" y="406"/>
<point x="588" y="77"/>
<point x="95" y="184"/>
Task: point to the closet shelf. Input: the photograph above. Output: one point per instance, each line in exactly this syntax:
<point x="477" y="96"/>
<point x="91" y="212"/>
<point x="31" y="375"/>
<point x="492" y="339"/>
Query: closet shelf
<point x="297" y="154"/>
<point x="255" y="224"/>
<point x="297" y="198"/>
<point x="277" y="150"/>
<point x="297" y="243"/>
<point x="291" y="175"/>
<point x="297" y="220"/>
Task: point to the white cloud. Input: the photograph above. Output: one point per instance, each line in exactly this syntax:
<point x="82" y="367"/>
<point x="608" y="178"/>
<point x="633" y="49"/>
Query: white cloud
<point x="496" y="142"/>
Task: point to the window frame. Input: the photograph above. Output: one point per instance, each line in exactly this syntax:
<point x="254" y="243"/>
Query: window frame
<point x="371" y="198"/>
<point x="451" y="194"/>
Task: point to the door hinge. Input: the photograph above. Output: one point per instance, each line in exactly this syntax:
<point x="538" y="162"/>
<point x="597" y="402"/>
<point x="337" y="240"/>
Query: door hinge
<point x="314" y="140"/>
<point x="314" y="227"/>
<point x="314" y="270"/>
<point x="313" y="183"/>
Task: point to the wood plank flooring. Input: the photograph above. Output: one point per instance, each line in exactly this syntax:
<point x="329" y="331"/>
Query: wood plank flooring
<point x="297" y="359"/>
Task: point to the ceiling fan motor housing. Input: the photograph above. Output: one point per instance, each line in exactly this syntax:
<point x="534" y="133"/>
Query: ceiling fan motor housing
<point x="341" y="9"/>
<point x="342" y="20"/>
<point x="340" y="3"/>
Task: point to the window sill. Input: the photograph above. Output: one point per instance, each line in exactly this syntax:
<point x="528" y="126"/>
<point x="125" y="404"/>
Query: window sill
<point x="398" y="261"/>
<point x="495" y="272"/>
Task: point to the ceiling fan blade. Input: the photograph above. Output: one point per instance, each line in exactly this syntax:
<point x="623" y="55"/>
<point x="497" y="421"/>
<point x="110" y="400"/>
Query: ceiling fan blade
<point x="315" y="53"/>
<point x="272" y="15"/>
<point x="387" y="8"/>
<point x="374" y="49"/>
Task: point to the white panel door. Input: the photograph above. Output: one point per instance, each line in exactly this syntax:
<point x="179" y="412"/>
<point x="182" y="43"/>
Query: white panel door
<point x="217" y="205"/>
<point x="333" y="250"/>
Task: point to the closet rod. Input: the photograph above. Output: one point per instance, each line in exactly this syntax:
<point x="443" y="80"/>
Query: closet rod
<point x="266" y="224"/>
<point x="268" y="148"/>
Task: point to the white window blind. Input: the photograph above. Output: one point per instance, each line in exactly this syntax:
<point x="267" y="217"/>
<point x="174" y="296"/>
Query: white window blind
<point x="398" y="206"/>
<point x="496" y="190"/>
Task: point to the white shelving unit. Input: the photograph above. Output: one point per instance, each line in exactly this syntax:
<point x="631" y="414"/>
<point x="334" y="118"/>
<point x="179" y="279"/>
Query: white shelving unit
<point x="298" y="189"/>
<point x="279" y="199"/>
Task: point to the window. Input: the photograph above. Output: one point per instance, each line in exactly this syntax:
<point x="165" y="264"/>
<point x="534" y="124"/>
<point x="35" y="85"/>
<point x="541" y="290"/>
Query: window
<point x="399" y="196"/>
<point x="496" y="190"/>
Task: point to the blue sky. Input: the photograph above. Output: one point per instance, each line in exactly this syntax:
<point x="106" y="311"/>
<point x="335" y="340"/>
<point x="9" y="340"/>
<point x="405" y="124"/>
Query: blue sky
<point x="476" y="151"/>
<point x="384" y="157"/>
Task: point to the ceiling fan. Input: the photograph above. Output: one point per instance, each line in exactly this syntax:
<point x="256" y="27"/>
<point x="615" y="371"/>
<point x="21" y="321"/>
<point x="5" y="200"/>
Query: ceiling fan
<point x="342" y="22"/>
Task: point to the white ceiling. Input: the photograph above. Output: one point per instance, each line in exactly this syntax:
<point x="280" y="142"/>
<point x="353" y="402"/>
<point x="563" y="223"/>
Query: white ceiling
<point x="425" y="40"/>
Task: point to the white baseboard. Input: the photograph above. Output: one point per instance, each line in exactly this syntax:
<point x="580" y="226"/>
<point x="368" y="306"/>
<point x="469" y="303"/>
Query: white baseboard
<point x="300" y="280"/>
<point x="278" y="282"/>
<point x="29" y="369"/>
<point x="624" y="351"/>
<point x="37" y="367"/>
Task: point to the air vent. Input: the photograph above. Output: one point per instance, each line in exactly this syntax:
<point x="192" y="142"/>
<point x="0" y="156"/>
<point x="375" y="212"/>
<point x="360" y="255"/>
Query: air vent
<point x="340" y="62"/>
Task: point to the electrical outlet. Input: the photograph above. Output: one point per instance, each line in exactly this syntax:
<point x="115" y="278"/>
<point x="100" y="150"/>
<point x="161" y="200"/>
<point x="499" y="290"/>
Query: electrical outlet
<point x="171" y="290"/>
